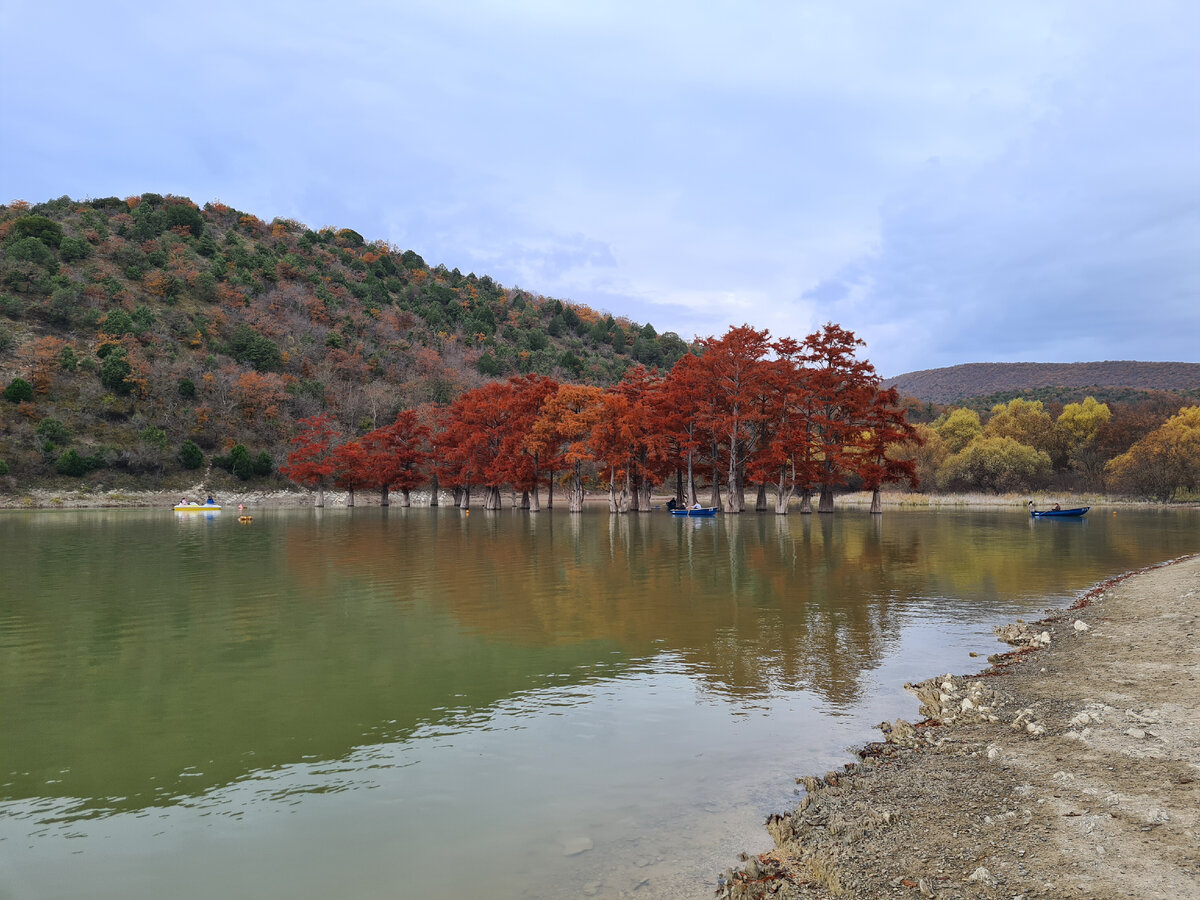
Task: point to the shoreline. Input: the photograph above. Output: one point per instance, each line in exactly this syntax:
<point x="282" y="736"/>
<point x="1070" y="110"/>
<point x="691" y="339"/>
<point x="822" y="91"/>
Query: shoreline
<point x="46" y="498"/>
<point x="1069" y="768"/>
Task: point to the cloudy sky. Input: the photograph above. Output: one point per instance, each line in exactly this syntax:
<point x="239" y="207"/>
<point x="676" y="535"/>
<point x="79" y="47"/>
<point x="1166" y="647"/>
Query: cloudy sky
<point x="955" y="182"/>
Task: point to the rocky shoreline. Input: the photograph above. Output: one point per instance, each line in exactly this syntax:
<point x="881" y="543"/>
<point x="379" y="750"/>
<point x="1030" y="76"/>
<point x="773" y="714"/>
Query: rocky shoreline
<point x="1069" y="768"/>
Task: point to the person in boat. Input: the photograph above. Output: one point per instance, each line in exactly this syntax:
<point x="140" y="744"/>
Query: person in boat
<point x="210" y="501"/>
<point x="671" y="504"/>
<point x="1056" y="507"/>
<point x="696" y="506"/>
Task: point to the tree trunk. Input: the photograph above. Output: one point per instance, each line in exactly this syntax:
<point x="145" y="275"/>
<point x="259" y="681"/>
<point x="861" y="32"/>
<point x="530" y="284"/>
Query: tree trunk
<point x="433" y="491"/>
<point x="876" y="501"/>
<point x="534" y="502"/>
<point x="644" y="489"/>
<point x="524" y="499"/>
<point x="782" y="499"/>
<point x="320" y="495"/>
<point x="679" y="487"/>
<point x="575" y="494"/>
<point x="825" y="504"/>
<point x="350" y="497"/>
<point x="464" y="499"/>
<point x="612" y="492"/>
<point x="806" y="502"/>
<point x="383" y="496"/>
<point x="404" y="498"/>
<point x="491" y="497"/>
<point x="691" y="480"/>
<point x="760" y="503"/>
<point x="550" y="491"/>
<point x="456" y="495"/>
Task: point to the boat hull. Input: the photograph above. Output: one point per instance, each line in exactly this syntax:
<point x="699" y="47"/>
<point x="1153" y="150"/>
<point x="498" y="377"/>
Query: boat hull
<point x="1059" y="513"/>
<point x="706" y="512"/>
<point x="197" y="507"/>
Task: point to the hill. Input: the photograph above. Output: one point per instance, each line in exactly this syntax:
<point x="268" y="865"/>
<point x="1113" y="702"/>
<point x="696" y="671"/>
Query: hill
<point x="130" y="326"/>
<point x="1061" y="382"/>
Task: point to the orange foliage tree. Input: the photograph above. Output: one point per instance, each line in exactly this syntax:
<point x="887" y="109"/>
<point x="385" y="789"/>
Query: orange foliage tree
<point x="311" y="461"/>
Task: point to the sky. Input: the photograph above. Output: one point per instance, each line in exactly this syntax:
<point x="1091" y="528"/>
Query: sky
<point x="954" y="182"/>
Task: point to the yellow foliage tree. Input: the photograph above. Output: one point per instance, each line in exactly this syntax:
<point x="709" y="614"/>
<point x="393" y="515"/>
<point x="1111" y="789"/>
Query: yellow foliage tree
<point x="1162" y="463"/>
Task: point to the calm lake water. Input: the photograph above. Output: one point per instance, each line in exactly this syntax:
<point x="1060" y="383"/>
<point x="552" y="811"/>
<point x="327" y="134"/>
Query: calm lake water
<point x="380" y="703"/>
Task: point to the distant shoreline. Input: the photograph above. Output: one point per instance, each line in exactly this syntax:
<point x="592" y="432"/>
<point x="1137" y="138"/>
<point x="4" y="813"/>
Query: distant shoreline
<point x="45" y="498"/>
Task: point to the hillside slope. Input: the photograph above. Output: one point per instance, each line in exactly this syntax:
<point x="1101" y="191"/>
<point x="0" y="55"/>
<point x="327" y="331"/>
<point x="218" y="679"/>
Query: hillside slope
<point x="957" y="383"/>
<point x="135" y="325"/>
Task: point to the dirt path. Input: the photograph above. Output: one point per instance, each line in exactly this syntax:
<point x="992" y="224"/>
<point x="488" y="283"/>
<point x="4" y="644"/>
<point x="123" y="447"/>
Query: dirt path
<point x="1070" y="768"/>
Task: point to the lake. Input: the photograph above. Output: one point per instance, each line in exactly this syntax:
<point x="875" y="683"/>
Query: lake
<point x="389" y="703"/>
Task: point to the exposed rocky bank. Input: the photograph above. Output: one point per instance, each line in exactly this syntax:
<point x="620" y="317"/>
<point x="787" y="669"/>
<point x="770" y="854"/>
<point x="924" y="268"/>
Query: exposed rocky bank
<point x="1069" y="768"/>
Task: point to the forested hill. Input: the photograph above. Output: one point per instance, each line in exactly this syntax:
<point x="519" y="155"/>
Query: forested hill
<point x="141" y="322"/>
<point x="1049" y="381"/>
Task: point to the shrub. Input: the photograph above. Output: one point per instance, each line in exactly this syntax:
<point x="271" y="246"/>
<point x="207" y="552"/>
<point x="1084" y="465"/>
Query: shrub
<point x="3" y="467"/>
<point x="190" y="455"/>
<point x="18" y="390"/>
<point x="54" y="430"/>
<point x="72" y="464"/>
<point x="248" y="346"/>
<point x="263" y="464"/>
<point x="487" y="364"/>
<point x="186" y="215"/>
<point x="187" y="389"/>
<point x="31" y="250"/>
<point x="114" y="370"/>
<point x="42" y="229"/>
<point x="74" y="249"/>
<point x="67" y="359"/>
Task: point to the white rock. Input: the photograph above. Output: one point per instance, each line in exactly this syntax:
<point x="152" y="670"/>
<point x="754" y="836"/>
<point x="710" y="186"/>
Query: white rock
<point x="981" y="875"/>
<point x="1035" y="728"/>
<point x="966" y="704"/>
<point x="1081" y="626"/>
<point x="993" y="752"/>
<point x="1135" y="733"/>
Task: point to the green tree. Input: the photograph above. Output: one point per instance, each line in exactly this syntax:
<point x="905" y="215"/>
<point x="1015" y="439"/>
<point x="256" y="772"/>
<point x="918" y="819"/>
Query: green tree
<point x="240" y="462"/>
<point x="190" y="455"/>
<point x="115" y="370"/>
<point x="263" y="464"/>
<point x="54" y="430"/>
<point x="41" y="228"/>
<point x="248" y="346"/>
<point x="996" y="464"/>
<point x="72" y="464"/>
<point x="18" y="390"/>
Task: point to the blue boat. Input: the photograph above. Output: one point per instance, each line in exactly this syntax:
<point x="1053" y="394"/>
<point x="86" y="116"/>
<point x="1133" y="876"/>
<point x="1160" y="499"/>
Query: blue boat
<point x="703" y="511"/>
<point x="1075" y="513"/>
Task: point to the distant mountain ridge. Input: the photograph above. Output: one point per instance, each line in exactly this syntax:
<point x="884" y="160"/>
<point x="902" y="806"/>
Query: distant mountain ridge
<point x="962" y="382"/>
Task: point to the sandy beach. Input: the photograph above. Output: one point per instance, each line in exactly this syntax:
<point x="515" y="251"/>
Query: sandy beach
<point x="1068" y="768"/>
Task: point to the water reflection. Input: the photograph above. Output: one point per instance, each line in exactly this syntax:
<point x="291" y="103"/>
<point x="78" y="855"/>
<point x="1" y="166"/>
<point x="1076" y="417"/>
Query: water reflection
<point x="146" y="661"/>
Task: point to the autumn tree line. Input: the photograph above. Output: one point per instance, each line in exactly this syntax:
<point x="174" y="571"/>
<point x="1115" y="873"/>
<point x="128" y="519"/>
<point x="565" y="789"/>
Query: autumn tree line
<point x="1020" y="445"/>
<point x="747" y="414"/>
